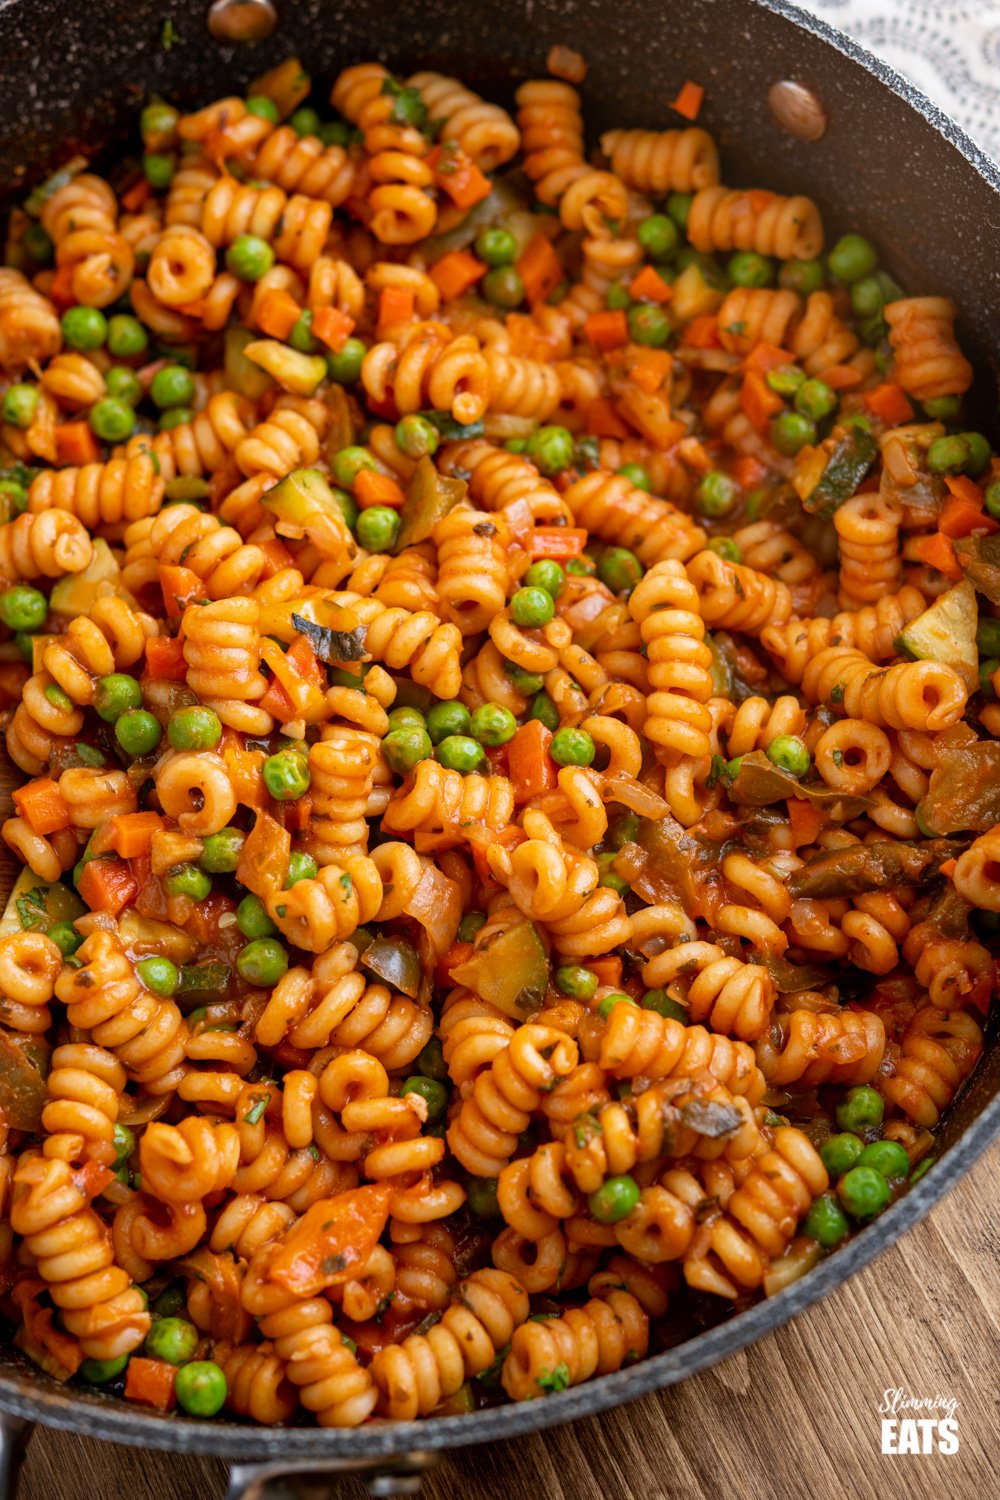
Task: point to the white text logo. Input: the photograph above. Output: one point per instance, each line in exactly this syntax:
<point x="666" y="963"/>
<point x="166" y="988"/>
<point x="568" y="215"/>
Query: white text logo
<point x="918" y="1424"/>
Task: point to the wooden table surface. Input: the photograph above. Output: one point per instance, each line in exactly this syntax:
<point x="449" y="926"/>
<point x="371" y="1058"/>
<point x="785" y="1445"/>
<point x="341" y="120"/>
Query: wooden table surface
<point x="795" y="1417"/>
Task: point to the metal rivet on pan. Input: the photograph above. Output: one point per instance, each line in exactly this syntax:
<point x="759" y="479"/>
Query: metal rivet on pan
<point x="241" y="20"/>
<point x="797" y="110"/>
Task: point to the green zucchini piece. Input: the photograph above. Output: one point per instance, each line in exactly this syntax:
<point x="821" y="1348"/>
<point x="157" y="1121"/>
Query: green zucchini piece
<point x="946" y="632"/>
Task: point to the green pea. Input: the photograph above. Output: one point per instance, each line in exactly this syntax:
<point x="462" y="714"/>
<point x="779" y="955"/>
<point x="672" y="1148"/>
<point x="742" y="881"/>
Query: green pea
<point x="111" y="419"/>
<point x="138" y="732"/>
<point x="405" y="717"/>
<point x="431" y="1061"/>
<point x="252" y="918"/>
<point x="789" y="753"/>
<point x="733" y="767"/>
<point x="576" y="982"/>
<point x="825" y="1221"/>
<point x="444" y="719"/>
<point x="609" y="876"/>
<point x="815" y="399"/>
<point x="548" y="575"/>
<point x="648" y="324"/>
<point x="188" y="880"/>
<point x="458" y="752"/>
<point x="861" y="1108"/>
<point x="158" y="119"/>
<point x="852" y="257"/>
<point x="262" y="962"/>
<point x="159" y="167"/>
<point x="747" y="268"/>
<point x="543" y="709"/>
<point x="619" y="569"/>
<point x="496" y="246"/>
<point x="637" y="476"/>
<point x="551" y="449"/>
<point x="614" y="1200"/>
<point x="305" y="121"/>
<point x="785" y="380"/>
<point x="286" y="776"/>
<point x="790" y="431"/>
<point x="993" y="498"/>
<point x="716" y="494"/>
<point x="200" y="1388"/>
<point x="416" y="436"/>
<point x="863" y="1192"/>
<point x="802" y="276"/>
<point x="726" y="548"/>
<point x="13" y="499"/>
<point x="126" y="336"/>
<point x="159" y="975"/>
<point x="404" y="748"/>
<point x="531" y="608"/>
<point x="349" y="462"/>
<point x="115" y="695"/>
<point x="867" y="297"/>
<point x="344" y="366"/>
<point x="23" y="608"/>
<point x="609" y="1002"/>
<point x="20" y="402"/>
<point x="194" y="728"/>
<point x="481" y="1194"/>
<point x="988" y="665"/>
<point x="24" y="642"/>
<point x="503" y="287"/>
<point x="471" y="923"/>
<point x="979" y="453"/>
<point x="65" y="937"/>
<point x="100" y="1371"/>
<point x="431" y="1091"/>
<point x="265" y="108"/>
<point x="220" y="852"/>
<point x="887" y="1157"/>
<point x="58" y="698"/>
<point x="84" y="328"/>
<point x="988" y="636"/>
<point x="840" y="1153"/>
<point x="38" y="245"/>
<point x="124" y="1142"/>
<point x="527" y="683"/>
<point x="301" y="866"/>
<point x="301" y="336"/>
<point x="170" y="1301"/>
<point x="942" y="408"/>
<point x="665" y="1005"/>
<point x="581" y="567"/>
<point x="948" y="455"/>
<point x="617" y="298"/>
<point x="123" y="384"/>
<point x="658" y="235"/>
<point x="377" y="528"/>
<point x="572" y="747"/>
<point x="249" y="257"/>
<point x="177" y="416"/>
<point x="171" y="386"/>
<point x="678" y="207"/>
<point x="493" y="725"/>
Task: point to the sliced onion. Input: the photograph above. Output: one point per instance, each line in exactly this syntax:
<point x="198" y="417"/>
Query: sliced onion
<point x="436" y="904"/>
<point x="633" y="795"/>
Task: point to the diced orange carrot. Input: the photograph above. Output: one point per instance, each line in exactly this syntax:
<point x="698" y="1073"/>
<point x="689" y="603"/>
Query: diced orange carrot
<point x="277" y="313"/>
<point x="395" y="306"/>
<point x="129" y="834"/>
<point x="456" y="954"/>
<point x="764" y="357"/>
<point x="76" y="444"/>
<point x="947" y="867"/>
<point x="456" y="174"/>
<point x="702" y="332"/>
<point x="964" y="488"/>
<point x="532" y="769"/>
<point x="889" y="403"/>
<point x="603" y="420"/>
<point x="276" y="556"/>
<point x="61" y="287"/>
<point x="758" y="400"/>
<point x="841" y="377"/>
<point x="607" y="330"/>
<point x="455" y="273"/>
<point x="107" y="885"/>
<point x="372" y="488"/>
<point x="689" y="100"/>
<point x="937" y="552"/>
<point x="136" y="196"/>
<point x="805" y="821"/>
<point x="749" y="472"/>
<point x="607" y="969"/>
<point x="180" y="587"/>
<point x="540" y="269"/>
<point x="963" y="510"/>
<point x="558" y="542"/>
<point x="648" y="368"/>
<point x="332" y="327"/>
<point x="151" y="1382"/>
<point x="165" y="659"/>
<point x="563" y="62"/>
<point x="42" y="806"/>
<point x="92" y="1178"/>
<point x="649" y="286"/>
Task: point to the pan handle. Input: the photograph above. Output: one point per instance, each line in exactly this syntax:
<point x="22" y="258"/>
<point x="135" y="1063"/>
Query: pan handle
<point x="397" y="1475"/>
<point x="14" y="1434"/>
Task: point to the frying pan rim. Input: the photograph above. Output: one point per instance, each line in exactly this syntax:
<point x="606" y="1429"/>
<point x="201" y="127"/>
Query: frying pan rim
<point x="117" y="1422"/>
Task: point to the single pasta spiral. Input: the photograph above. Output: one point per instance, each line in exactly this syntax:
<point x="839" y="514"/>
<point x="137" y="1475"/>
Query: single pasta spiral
<point x="612" y="508"/>
<point x="923" y="695"/>
<point x="734" y="597"/>
<point x="663" y="161"/>
<point x="929" y="362"/>
<point x="723" y="219"/>
<point x="47" y="545"/>
<point x="125" y="489"/>
<point x="485" y="132"/>
<point x="81" y="220"/>
<point x="29" y="324"/>
<point x="472" y="568"/>
<point x="665" y="603"/>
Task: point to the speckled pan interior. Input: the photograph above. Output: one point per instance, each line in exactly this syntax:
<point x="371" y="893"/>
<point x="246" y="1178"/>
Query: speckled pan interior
<point x="72" y="73"/>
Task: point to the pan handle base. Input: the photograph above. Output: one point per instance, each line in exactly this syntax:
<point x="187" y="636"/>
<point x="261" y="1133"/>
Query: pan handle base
<point x="14" y="1435"/>
<point x="399" y="1475"/>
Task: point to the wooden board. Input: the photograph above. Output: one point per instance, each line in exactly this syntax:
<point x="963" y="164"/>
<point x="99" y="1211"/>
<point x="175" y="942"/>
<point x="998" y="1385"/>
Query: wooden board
<point x="795" y="1417"/>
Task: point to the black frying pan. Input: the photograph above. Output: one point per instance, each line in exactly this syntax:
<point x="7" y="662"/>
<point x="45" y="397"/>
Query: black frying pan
<point x="889" y="164"/>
